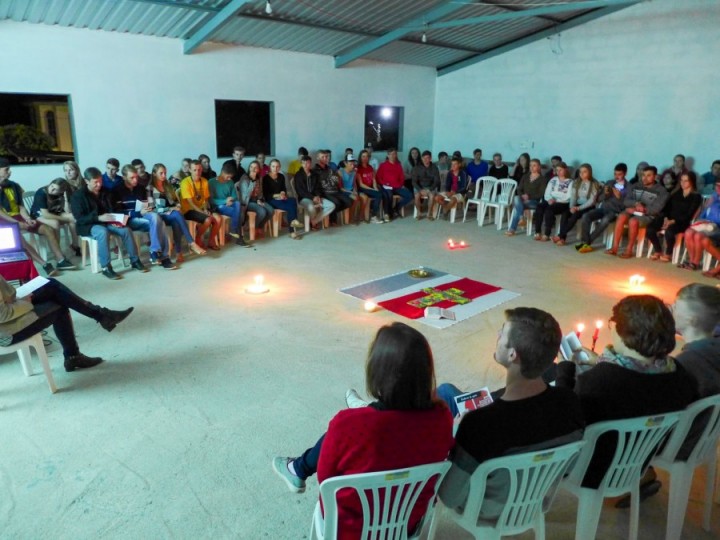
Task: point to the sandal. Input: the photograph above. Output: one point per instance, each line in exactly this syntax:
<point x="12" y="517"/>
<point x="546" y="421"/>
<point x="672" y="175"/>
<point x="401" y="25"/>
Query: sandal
<point x="610" y="252"/>
<point x="509" y="233"/>
<point x="544" y="238"/>
<point x="626" y="254"/>
<point x="655" y="256"/>
<point x="689" y="266"/>
<point x="665" y="258"/>
<point x="536" y="237"/>
<point x="560" y="242"/>
<point x="709" y="274"/>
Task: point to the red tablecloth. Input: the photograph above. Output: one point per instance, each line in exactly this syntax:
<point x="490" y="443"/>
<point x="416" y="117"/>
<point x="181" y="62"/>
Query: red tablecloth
<point x="21" y="270"/>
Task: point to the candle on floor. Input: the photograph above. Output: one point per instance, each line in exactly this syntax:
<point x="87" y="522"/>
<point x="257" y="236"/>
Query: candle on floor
<point x="258" y="287"/>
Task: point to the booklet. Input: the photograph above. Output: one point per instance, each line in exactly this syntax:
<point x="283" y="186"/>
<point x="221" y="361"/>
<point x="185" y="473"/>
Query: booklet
<point x="31" y="286"/>
<point x="571" y="343"/>
<point x="439" y="313"/>
<point x="473" y="400"/>
<point x="118" y="219"/>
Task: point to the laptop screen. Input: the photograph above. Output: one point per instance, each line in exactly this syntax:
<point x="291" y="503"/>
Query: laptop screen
<point x="9" y="238"/>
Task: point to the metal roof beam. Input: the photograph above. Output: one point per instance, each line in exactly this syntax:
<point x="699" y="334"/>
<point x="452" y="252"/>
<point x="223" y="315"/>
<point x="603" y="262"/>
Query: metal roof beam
<point x="440" y="11"/>
<point x="179" y="4"/>
<point x="201" y="35"/>
<point x="572" y="23"/>
<point x="533" y="12"/>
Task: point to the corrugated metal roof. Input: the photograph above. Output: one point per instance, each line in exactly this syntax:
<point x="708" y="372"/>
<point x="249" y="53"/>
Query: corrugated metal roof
<point x="327" y="27"/>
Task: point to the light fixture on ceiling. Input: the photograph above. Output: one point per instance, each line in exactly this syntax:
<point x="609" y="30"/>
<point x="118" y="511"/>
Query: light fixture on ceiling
<point x="268" y="7"/>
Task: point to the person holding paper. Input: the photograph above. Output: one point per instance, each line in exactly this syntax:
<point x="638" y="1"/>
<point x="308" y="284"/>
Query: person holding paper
<point x="92" y="209"/>
<point x="391" y="178"/>
<point x="132" y="200"/>
<point x="50" y="303"/>
<point x="527" y="415"/>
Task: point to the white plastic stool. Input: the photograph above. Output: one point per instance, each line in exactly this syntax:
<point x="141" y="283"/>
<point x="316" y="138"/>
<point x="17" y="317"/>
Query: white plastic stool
<point x="23" y="351"/>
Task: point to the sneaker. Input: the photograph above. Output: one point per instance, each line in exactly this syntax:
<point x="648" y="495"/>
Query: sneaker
<point x="138" y="265"/>
<point x="65" y="265"/>
<point x="586" y="248"/>
<point x="109" y="273"/>
<point x="241" y="242"/>
<point x="579" y="245"/>
<point x="50" y="270"/>
<point x="386" y="219"/>
<point x="234" y="235"/>
<point x="375" y="220"/>
<point x="155" y="258"/>
<point x="294" y="483"/>
<point x="167" y="264"/>
<point x="296" y="224"/>
<point x="80" y="361"/>
<point x="353" y="400"/>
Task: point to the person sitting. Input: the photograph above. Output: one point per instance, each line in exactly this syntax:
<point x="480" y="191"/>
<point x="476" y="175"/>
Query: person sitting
<point x="110" y="177"/>
<point x="224" y="200"/>
<point x="391" y="177"/>
<point x="264" y="167"/>
<point x="552" y="169"/>
<point x="126" y="197"/>
<point x="456" y="185"/>
<point x="144" y="178"/>
<point x="642" y="205"/>
<point x="74" y="178"/>
<point x="184" y="172"/>
<point x="251" y="195"/>
<point x="477" y="168"/>
<point x="296" y="164"/>
<point x="92" y="209"/>
<point x="530" y="192"/>
<point x="367" y="186"/>
<point x="50" y="304"/>
<point x="637" y="179"/>
<point x="498" y="169"/>
<point x="709" y="179"/>
<point x="704" y="235"/>
<point x="195" y="204"/>
<point x="610" y="204"/>
<point x="583" y="194"/>
<point x="275" y="193"/>
<point x="168" y="205"/>
<point x="556" y="200"/>
<point x="426" y="183"/>
<point x="207" y="171"/>
<point x="330" y="185"/>
<point x="522" y="166"/>
<point x="697" y="312"/>
<point x="443" y="165"/>
<point x="310" y="193"/>
<point x="50" y="208"/>
<point x="679" y="212"/>
<point x="413" y="160"/>
<point x="526" y="346"/>
<point x="12" y="209"/>
<point x="348" y="185"/>
<point x="238" y="154"/>
<point x="406" y="427"/>
<point x="670" y="177"/>
<point x="634" y="376"/>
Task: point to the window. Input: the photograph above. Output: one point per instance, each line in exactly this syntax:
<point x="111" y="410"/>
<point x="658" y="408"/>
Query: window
<point x="243" y="123"/>
<point x="383" y="127"/>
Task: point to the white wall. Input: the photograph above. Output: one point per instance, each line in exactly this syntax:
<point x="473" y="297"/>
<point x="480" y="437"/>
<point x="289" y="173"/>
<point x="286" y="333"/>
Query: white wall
<point x="641" y="84"/>
<point x="137" y="96"/>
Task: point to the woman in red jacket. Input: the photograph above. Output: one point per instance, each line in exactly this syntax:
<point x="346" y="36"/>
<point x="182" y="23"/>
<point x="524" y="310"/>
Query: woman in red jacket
<point x="407" y="426"/>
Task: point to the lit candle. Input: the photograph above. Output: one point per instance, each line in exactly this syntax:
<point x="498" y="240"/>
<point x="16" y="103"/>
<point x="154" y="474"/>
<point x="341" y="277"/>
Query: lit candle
<point x="370" y="306"/>
<point x="596" y="333"/>
<point x="578" y="330"/>
<point x="462" y="243"/>
<point x="636" y="281"/>
<point x="258" y="287"/>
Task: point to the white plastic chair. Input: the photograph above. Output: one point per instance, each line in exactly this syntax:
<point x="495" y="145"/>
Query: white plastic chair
<point x="637" y="439"/>
<point x="484" y="192"/>
<point x="533" y="479"/>
<point x="387" y="498"/>
<point x="89" y="250"/>
<point x="502" y="200"/>
<point x="681" y="471"/>
<point x="23" y="352"/>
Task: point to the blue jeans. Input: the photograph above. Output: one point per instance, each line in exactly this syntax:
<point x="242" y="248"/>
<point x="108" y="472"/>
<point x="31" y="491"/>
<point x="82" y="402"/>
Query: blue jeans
<point x="520" y="207"/>
<point x="152" y="224"/>
<point x="179" y="228"/>
<point x="406" y="198"/>
<point x="234" y="212"/>
<point x="375" y="199"/>
<point x="263" y="210"/>
<point x="447" y="393"/>
<point x="306" y="465"/>
<point x="290" y="207"/>
<point x="100" y="234"/>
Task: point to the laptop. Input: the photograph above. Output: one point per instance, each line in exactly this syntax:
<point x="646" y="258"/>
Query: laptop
<point x="11" y="249"/>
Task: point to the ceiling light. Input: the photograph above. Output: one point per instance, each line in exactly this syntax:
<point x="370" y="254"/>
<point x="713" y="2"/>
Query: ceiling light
<point x="268" y="7"/>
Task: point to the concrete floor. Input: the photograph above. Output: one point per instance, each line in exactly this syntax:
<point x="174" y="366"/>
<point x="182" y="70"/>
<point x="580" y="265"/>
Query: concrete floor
<point x="173" y="436"/>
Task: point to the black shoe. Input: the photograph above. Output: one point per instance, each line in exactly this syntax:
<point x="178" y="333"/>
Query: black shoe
<point x="111" y="318"/>
<point x="241" y="242"/>
<point x="65" y="265"/>
<point x="76" y="250"/>
<point x="167" y="264"/>
<point x="50" y="270"/>
<point x="138" y="265"/>
<point x="80" y="361"/>
<point x="109" y="273"/>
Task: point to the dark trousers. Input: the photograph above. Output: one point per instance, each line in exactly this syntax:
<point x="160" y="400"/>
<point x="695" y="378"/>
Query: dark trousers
<point x="52" y="303"/>
<point x="651" y="233"/>
<point x="306" y="465"/>
<point x="406" y="197"/>
<point x="568" y="221"/>
<point x="341" y="202"/>
<point x="544" y="217"/>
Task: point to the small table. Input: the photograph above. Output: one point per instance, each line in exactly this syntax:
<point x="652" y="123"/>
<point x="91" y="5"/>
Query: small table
<point x="22" y="271"/>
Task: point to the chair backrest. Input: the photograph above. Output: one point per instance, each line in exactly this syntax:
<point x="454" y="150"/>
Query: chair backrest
<point x="28" y="198"/>
<point x="505" y="191"/>
<point x="387" y="498"/>
<point x="705" y="435"/>
<point x="488" y="187"/>
<point x="532" y="480"/>
<point x="637" y="439"/>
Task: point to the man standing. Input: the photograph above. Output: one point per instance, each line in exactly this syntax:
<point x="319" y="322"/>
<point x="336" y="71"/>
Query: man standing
<point x="125" y="200"/>
<point x="642" y="205"/>
<point x="426" y="183"/>
<point x="310" y="193"/>
<point x="526" y="346"/>
<point x="236" y="163"/>
<point x="611" y="203"/>
<point x="92" y="210"/>
<point x="391" y="176"/>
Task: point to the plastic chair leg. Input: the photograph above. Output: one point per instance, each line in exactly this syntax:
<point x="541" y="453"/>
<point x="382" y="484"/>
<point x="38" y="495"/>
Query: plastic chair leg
<point x="680" y="481"/>
<point x="709" y="487"/>
<point x="588" y="514"/>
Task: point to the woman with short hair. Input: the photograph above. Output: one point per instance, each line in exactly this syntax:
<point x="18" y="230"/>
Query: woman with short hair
<point x="407" y="426"/>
